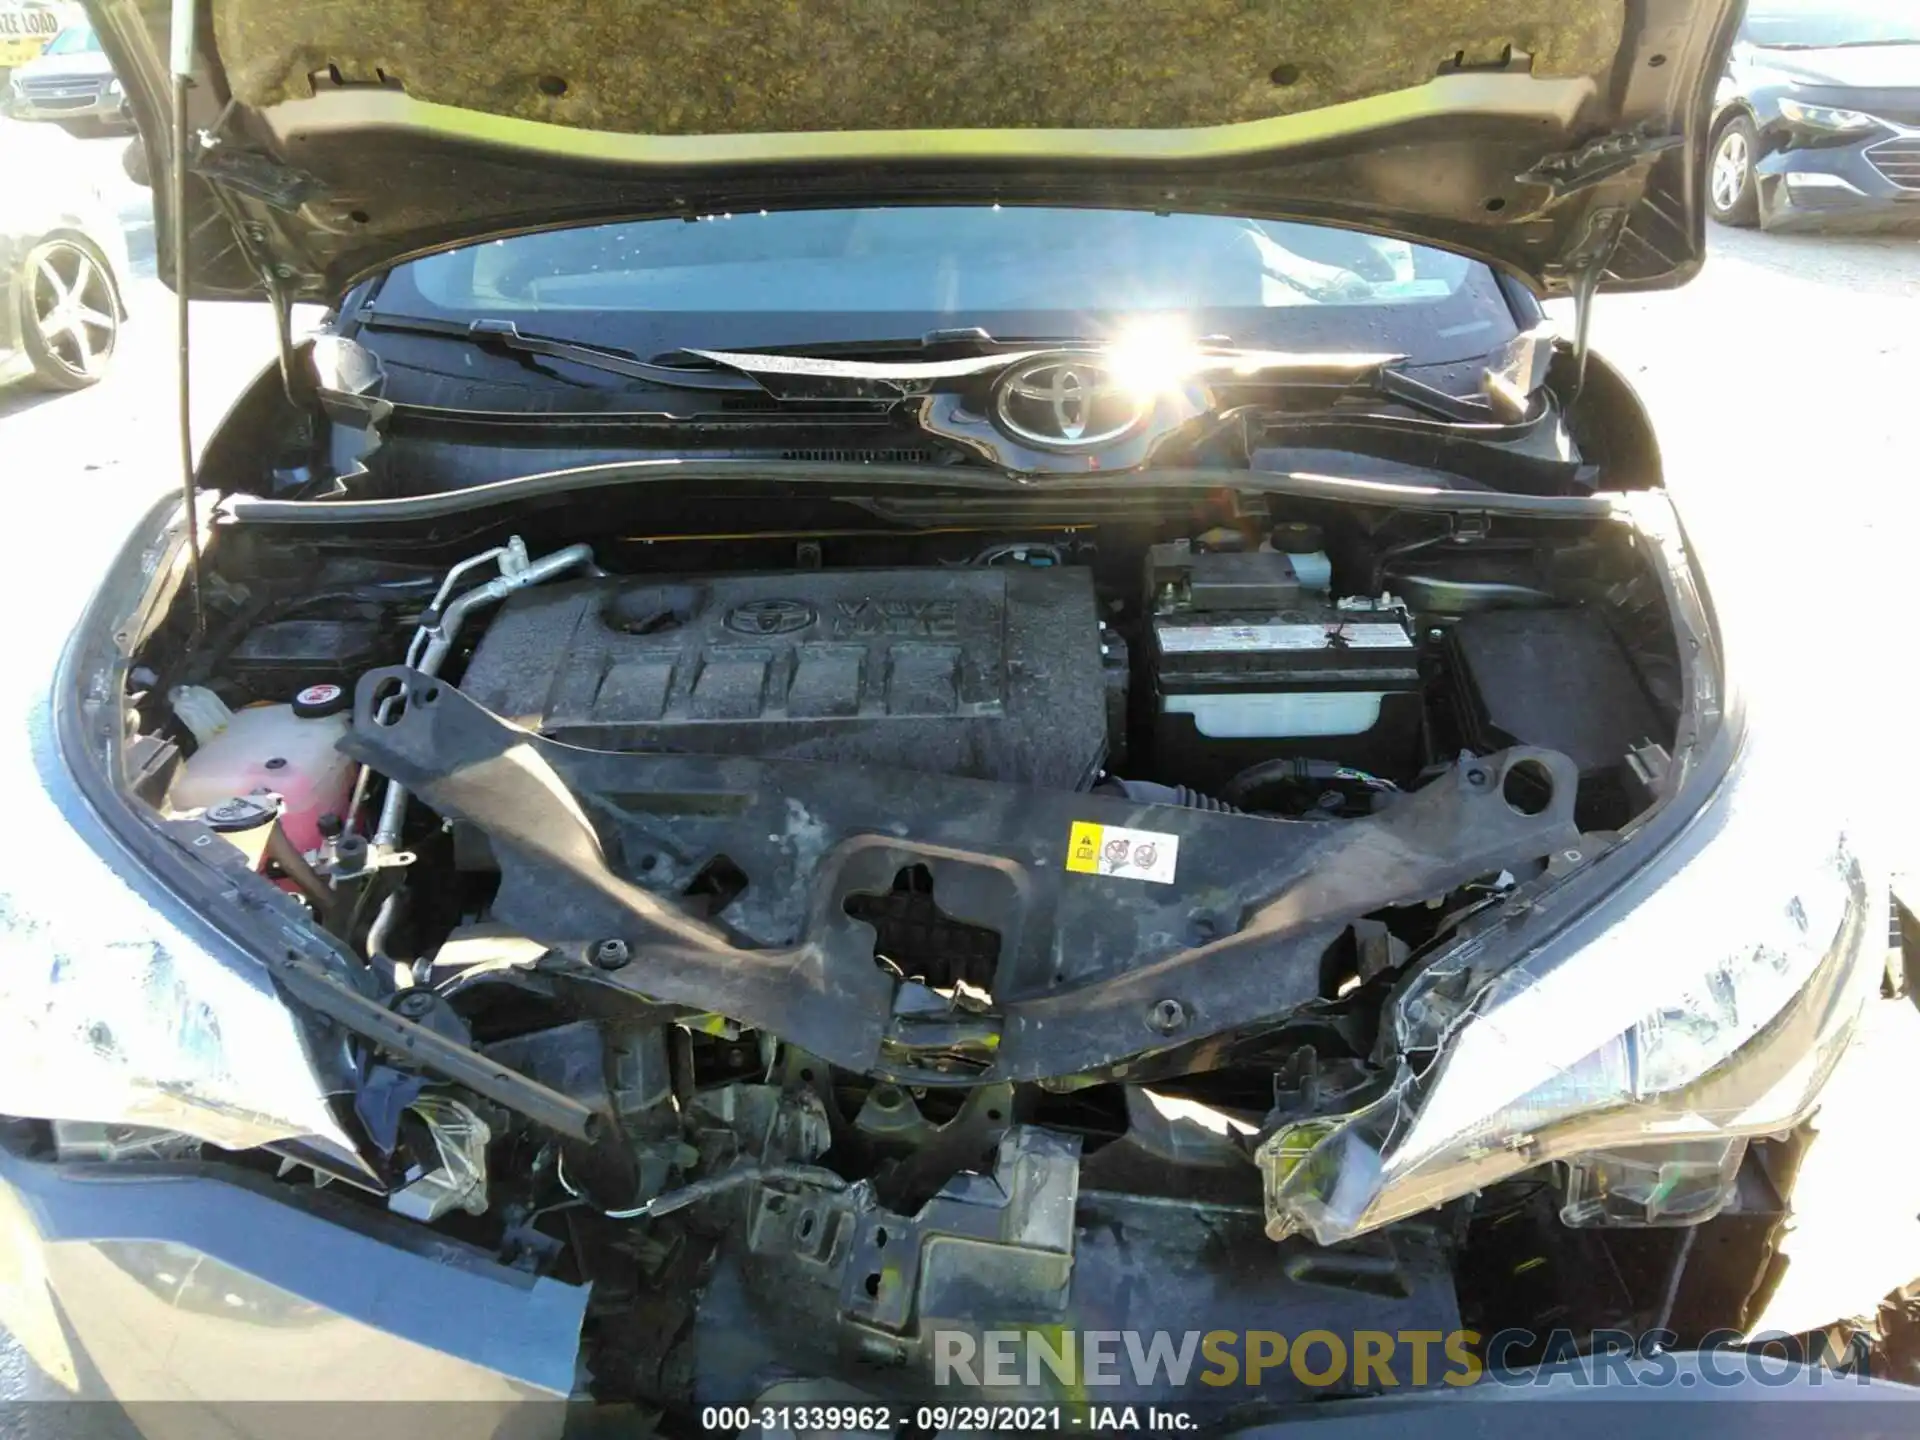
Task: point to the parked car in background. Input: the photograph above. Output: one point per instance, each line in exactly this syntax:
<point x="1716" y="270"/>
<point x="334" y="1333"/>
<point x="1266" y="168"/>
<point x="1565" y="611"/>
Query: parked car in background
<point x="72" y="84"/>
<point x="1817" y="121"/>
<point x="25" y="29"/>
<point x="63" y="264"/>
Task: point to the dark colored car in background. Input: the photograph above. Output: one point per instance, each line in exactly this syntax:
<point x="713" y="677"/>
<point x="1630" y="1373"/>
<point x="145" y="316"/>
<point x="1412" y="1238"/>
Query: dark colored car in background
<point x="1817" y="122"/>
<point x="72" y="84"/>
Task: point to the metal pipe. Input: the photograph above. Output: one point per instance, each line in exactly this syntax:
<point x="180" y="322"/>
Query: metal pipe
<point x="182" y="45"/>
<point x="511" y="557"/>
<point x="815" y="1175"/>
<point x="439" y="638"/>
<point x="377" y="935"/>
<point x="1671" y="1295"/>
<point x="457" y="610"/>
<point x="284" y="853"/>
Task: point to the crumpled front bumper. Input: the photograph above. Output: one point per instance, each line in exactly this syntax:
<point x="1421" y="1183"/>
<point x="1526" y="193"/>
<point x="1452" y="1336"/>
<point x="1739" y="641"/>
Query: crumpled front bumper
<point x="204" y="1302"/>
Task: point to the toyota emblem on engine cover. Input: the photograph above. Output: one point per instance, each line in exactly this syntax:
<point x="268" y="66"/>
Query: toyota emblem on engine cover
<point x="770" y="617"/>
<point x="1065" y="403"/>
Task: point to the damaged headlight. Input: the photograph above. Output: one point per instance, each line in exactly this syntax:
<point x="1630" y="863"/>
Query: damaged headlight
<point x="1704" y="1002"/>
<point x="144" y="1027"/>
<point x="121" y="1003"/>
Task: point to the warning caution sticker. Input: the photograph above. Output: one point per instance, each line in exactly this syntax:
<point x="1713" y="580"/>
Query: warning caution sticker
<point x="1130" y="854"/>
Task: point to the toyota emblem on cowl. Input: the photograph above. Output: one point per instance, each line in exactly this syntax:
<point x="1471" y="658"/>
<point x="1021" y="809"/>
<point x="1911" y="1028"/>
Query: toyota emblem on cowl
<point x="770" y="617"/>
<point x="1066" y="403"/>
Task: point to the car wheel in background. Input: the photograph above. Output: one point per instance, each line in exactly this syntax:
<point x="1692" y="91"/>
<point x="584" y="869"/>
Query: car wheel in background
<point x="70" y="315"/>
<point x="1732" y="194"/>
<point x="133" y="160"/>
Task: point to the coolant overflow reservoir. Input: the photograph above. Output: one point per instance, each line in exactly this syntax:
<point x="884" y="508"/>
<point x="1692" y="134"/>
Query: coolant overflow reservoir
<point x="279" y="750"/>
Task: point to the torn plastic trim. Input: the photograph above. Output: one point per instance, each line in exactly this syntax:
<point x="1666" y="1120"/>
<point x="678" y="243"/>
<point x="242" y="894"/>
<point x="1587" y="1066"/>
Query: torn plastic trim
<point x="1087" y="963"/>
<point x="780" y="373"/>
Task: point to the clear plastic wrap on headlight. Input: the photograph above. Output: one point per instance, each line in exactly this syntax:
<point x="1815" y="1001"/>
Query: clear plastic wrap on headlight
<point x="1714" y="1008"/>
<point x="108" y="1014"/>
<point x="119" y="1002"/>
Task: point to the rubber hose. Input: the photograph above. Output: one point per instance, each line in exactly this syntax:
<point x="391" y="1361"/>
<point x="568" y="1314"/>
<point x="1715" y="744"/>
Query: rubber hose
<point x="1147" y="792"/>
<point x="1242" y="789"/>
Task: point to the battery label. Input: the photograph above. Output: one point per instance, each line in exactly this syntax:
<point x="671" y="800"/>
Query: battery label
<point x="1341" y="635"/>
<point x="1130" y="854"/>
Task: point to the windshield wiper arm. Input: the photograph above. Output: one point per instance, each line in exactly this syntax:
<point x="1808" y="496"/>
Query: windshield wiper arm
<point x="508" y="336"/>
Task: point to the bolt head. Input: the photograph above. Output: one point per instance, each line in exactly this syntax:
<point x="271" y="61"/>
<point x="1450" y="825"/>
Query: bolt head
<point x="1167" y="1017"/>
<point x="611" y="954"/>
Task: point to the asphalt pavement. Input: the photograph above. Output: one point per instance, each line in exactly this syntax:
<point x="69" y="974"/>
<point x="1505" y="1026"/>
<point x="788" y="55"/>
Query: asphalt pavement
<point x="1784" y="383"/>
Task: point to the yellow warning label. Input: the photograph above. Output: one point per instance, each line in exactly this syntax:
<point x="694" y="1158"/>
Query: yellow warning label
<point x="1083" y="848"/>
<point x="1129" y="854"/>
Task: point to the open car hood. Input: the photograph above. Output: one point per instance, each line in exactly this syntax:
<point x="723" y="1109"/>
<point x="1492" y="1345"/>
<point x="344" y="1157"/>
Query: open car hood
<point x="1561" y="140"/>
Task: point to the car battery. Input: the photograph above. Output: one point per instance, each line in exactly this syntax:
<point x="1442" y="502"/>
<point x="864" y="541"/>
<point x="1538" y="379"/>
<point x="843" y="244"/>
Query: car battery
<point x="1250" y="664"/>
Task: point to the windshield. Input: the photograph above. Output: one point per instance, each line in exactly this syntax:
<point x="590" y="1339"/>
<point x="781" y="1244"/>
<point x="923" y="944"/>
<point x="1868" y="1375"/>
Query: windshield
<point x="74" y="40"/>
<point x="1815" y="24"/>
<point x="765" y="280"/>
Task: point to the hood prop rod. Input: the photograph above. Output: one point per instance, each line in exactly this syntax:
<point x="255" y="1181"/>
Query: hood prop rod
<point x="1585" y="286"/>
<point x="1587" y="268"/>
<point x="181" y="56"/>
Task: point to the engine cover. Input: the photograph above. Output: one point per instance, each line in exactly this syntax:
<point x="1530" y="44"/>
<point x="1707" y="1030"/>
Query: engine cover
<point x="992" y="673"/>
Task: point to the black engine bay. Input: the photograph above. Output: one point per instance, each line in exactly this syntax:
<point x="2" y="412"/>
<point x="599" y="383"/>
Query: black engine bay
<point x="867" y="928"/>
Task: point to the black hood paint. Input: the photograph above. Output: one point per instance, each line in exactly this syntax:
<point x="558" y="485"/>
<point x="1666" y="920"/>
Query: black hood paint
<point x="1552" y="138"/>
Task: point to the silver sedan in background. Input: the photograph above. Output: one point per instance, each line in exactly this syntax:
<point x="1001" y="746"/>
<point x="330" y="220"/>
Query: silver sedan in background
<point x="63" y="263"/>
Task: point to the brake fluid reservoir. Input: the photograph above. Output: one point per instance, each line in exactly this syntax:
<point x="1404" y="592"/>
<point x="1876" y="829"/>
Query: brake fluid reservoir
<point x="287" y="750"/>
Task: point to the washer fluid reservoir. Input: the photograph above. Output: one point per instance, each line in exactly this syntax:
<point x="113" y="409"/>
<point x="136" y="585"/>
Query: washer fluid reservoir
<point x="287" y="750"/>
